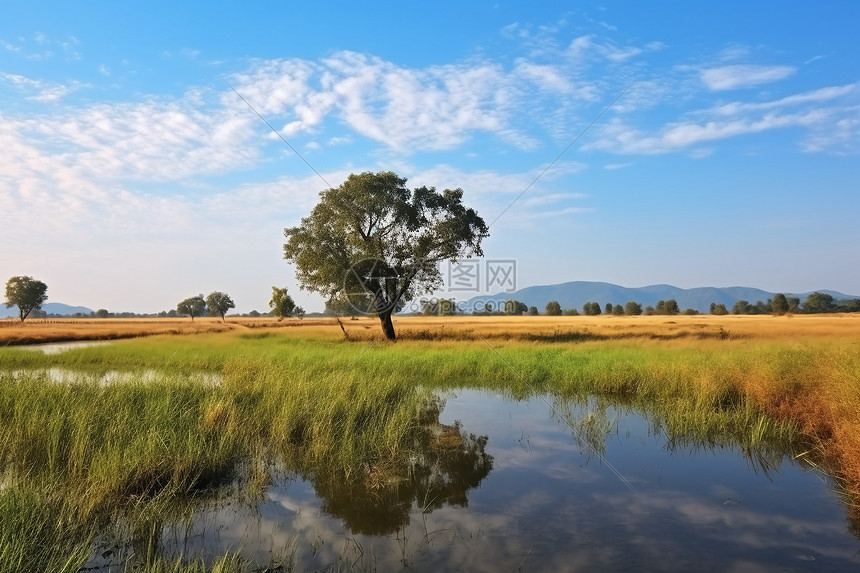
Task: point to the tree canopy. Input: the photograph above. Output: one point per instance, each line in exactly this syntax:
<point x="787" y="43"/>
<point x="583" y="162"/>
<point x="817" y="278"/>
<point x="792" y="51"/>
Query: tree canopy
<point x="553" y="308"/>
<point x="819" y="302"/>
<point x="282" y="304"/>
<point x="375" y="242"/>
<point x="194" y="306"/>
<point x="591" y="309"/>
<point x="219" y="303"/>
<point x="26" y="293"/>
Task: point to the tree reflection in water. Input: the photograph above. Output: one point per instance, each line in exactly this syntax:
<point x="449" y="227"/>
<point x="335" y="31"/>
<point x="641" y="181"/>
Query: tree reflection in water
<point x="441" y="466"/>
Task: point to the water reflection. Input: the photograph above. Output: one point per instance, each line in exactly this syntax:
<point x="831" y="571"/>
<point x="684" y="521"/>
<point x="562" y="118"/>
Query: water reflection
<point x="440" y="468"/>
<point x="521" y="490"/>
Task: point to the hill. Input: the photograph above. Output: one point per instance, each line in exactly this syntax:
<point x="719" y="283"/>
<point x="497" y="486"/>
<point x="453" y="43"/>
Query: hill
<point x="576" y="293"/>
<point x="49" y="307"/>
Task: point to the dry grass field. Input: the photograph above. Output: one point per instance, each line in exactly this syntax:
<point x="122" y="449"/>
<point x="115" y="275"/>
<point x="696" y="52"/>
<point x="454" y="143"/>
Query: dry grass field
<point x="540" y="328"/>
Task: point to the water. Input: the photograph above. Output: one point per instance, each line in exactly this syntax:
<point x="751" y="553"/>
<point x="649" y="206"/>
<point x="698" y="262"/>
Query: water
<point x="558" y="490"/>
<point x="55" y="347"/>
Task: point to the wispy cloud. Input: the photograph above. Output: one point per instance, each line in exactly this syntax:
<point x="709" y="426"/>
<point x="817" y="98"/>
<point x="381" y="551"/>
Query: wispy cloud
<point x="39" y="90"/>
<point x="41" y="47"/>
<point x="743" y="76"/>
<point x="616" y="166"/>
<point x="829" y="116"/>
<point x="584" y="47"/>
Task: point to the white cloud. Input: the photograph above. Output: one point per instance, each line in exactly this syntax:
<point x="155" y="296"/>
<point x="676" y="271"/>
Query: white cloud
<point x="620" y="138"/>
<point x="583" y="48"/>
<point x="40" y="90"/>
<point x="828" y="114"/>
<point x="743" y="76"/>
<point x="616" y="166"/>
<point x="815" y="96"/>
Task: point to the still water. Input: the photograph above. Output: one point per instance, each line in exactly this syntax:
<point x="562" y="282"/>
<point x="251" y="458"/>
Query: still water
<point x="548" y="487"/>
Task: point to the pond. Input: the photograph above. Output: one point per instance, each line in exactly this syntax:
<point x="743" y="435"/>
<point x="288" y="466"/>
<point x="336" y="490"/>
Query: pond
<point x="542" y="485"/>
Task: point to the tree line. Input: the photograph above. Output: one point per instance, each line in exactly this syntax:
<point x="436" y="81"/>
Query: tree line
<point x="29" y="294"/>
<point x="780" y="304"/>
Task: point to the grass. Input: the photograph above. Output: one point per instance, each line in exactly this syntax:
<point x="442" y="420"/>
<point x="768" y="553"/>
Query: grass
<point x="196" y="413"/>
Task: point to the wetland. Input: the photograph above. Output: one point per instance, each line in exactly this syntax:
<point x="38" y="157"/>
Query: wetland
<point x="297" y="450"/>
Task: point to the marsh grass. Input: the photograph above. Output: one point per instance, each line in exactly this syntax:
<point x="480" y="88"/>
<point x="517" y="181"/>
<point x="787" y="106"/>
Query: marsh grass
<point x="81" y="455"/>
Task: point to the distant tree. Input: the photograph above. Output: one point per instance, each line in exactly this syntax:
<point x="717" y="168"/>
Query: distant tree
<point x="282" y="304"/>
<point x="591" y="309"/>
<point x="219" y="303"/>
<point x="793" y="304"/>
<point x="447" y="307"/>
<point x="194" y="306"/>
<point x="439" y="307"/>
<point x="553" y="308"/>
<point x="533" y="311"/>
<point x="617" y="310"/>
<point x="172" y="313"/>
<point x="633" y="308"/>
<point x="570" y="312"/>
<point x="718" y="309"/>
<point x="102" y="313"/>
<point x="671" y="307"/>
<point x="254" y="313"/>
<point x="608" y="308"/>
<point x="27" y="293"/>
<point x="515" y="307"/>
<point x="742" y="307"/>
<point x="779" y="304"/>
<point x="650" y="311"/>
<point x="851" y="305"/>
<point x="819" y="302"/>
<point x="690" y="311"/>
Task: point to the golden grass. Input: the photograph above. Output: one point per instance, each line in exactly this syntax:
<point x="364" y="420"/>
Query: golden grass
<point x="36" y="331"/>
<point x="537" y="328"/>
<point x="659" y="328"/>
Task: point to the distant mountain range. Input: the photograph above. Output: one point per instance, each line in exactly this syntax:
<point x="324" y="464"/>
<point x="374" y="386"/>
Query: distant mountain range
<point x="49" y="307"/>
<point x="575" y="294"/>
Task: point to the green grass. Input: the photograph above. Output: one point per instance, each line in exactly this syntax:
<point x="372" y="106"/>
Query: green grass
<point x="78" y="456"/>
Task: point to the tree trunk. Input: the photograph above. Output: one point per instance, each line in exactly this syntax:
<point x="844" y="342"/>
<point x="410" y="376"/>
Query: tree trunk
<point x="387" y="325"/>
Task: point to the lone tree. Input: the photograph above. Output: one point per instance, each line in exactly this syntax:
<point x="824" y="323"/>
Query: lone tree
<point x="194" y="306"/>
<point x="219" y="303"/>
<point x="374" y="240"/>
<point x="26" y="293"/>
<point x="282" y="305"/>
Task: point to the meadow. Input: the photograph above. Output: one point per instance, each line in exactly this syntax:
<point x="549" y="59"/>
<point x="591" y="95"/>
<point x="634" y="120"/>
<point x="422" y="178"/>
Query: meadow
<point x="150" y="426"/>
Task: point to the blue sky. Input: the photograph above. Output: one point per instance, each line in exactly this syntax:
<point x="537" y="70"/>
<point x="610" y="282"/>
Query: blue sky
<point x="132" y="176"/>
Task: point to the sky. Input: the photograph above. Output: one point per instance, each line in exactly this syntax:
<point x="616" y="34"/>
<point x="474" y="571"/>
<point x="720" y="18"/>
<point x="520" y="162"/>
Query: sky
<point x="693" y="144"/>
